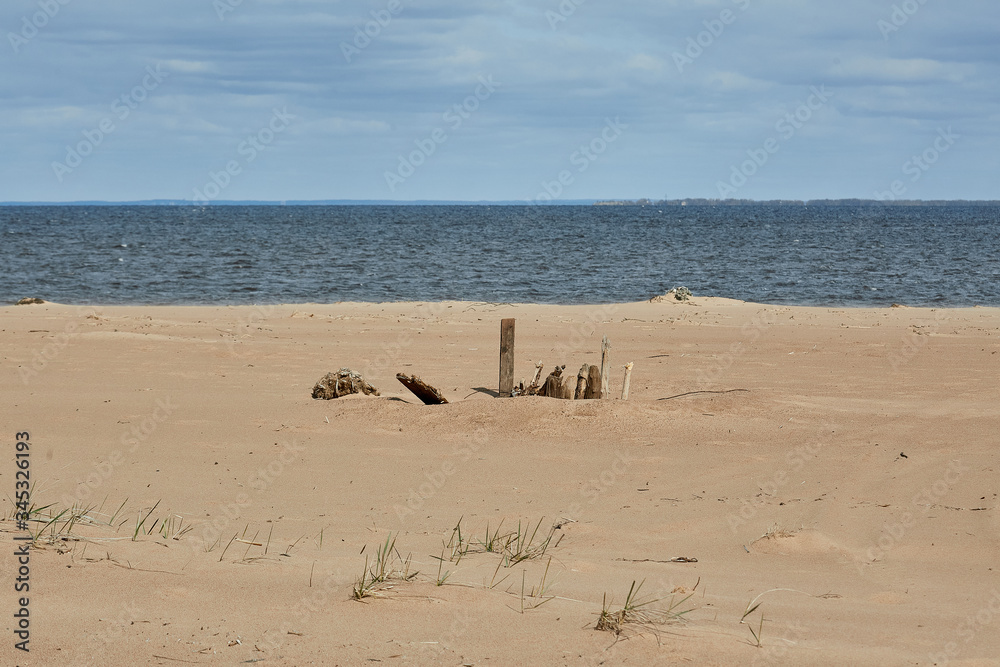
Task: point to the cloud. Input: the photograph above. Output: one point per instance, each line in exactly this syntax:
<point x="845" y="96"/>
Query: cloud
<point x="868" y="70"/>
<point x="645" y="62"/>
<point x="346" y="126"/>
<point x="559" y="83"/>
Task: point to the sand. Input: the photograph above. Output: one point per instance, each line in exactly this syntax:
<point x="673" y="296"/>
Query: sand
<point x="849" y="486"/>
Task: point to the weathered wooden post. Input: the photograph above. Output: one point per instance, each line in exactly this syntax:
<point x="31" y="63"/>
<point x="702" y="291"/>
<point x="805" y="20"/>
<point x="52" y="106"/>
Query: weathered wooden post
<point x="628" y="380"/>
<point x="506" y="356"/>
<point x="605" y="367"/>
<point x="581" y="382"/>
<point x="593" y="383"/>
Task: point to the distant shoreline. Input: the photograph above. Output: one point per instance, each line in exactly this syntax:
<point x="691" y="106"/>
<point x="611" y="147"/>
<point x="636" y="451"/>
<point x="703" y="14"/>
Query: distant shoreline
<point x="697" y="302"/>
<point x="568" y="202"/>
<point x="799" y="202"/>
<point x="306" y="202"/>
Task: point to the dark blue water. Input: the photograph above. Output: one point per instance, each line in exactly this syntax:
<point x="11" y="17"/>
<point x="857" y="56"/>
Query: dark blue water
<point x="844" y="256"/>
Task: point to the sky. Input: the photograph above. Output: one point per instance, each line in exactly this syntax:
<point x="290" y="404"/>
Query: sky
<point x="211" y="100"/>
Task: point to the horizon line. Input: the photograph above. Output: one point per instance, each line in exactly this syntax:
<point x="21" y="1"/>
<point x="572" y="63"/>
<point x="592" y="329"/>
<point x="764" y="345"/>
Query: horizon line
<point x="689" y="201"/>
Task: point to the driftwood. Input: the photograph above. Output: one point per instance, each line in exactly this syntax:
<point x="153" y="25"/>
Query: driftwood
<point x="553" y="387"/>
<point x="605" y="368"/>
<point x="426" y="393"/>
<point x="593" y="383"/>
<point x="342" y="383"/>
<point x="628" y="380"/>
<point x="581" y="382"/>
<point x="678" y="559"/>
<point x="533" y="387"/>
<point x="691" y="393"/>
<point x="568" y="388"/>
<point x="506" y="357"/>
<point x="585" y="385"/>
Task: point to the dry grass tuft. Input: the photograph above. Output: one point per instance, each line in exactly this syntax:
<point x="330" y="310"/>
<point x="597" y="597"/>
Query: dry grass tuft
<point x="641" y="613"/>
<point x="389" y="565"/>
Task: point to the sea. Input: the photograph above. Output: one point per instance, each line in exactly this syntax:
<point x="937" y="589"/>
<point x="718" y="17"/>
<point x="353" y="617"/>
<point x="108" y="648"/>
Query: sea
<point x="864" y="255"/>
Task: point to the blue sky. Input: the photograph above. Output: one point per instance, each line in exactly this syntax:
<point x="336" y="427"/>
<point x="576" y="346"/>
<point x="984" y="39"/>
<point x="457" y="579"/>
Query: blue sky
<point x="498" y="99"/>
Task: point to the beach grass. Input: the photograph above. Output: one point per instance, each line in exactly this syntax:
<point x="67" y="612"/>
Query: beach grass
<point x="640" y="612"/>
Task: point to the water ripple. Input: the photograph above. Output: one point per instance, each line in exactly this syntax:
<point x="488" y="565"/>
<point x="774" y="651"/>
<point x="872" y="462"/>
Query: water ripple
<point x="561" y="254"/>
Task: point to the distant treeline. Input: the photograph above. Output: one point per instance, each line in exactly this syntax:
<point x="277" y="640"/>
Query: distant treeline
<point x="796" y="202"/>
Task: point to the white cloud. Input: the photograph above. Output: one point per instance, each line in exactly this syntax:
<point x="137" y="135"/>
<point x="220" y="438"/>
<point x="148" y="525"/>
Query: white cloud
<point x="189" y="66"/>
<point x="898" y="70"/>
<point x="336" y="125"/>
<point x="642" y="61"/>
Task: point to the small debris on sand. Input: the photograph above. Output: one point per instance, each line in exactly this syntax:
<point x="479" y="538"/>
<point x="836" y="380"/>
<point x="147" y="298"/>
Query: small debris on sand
<point x="342" y="383"/>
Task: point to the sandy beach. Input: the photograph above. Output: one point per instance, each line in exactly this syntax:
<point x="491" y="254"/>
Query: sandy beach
<point x="837" y="466"/>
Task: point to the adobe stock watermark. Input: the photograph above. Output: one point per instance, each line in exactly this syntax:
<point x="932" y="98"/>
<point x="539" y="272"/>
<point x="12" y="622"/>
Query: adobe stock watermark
<point x="121" y="108"/>
<point x="714" y="28"/>
<point x="30" y="26"/>
<point x="750" y="331"/>
<point x="566" y="9"/>
<point x="211" y="531"/>
<point x="223" y="7"/>
<point x="458" y="627"/>
<point x="248" y="149"/>
<point x="900" y="16"/>
<point x="582" y="158"/>
<point x="772" y="654"/>
<point x="392" y="353"/>
<point x="455" y="116"/>
<point x="969" y="630"/>
<point x="894" y="533"/>
<point x="918" y="165"/>
<point x="915" y="342"/>
<point x="364" y="35"/>
<point x="115" y="630"/>
<point x="579" y="334"/>
<point x="308" y="604"/>
<point x="435" y="481"/>
<point x="786" y="127"/>
<point x="131" y="438"/>
<point x="596" y="487"/>
<point x="243" y="328"/>
<point x="52" y="350"/>
<point x="796" y="459"/>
